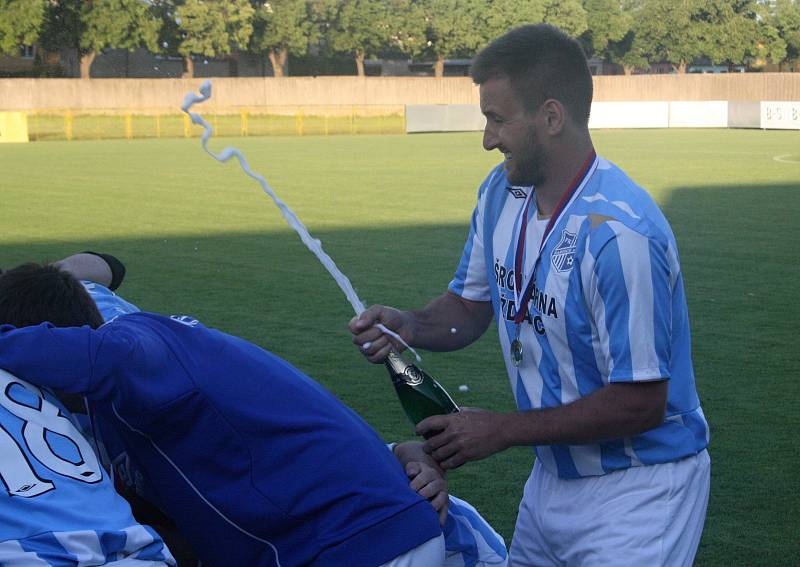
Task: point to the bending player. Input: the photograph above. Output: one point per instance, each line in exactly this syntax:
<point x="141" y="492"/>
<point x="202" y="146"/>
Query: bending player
<point x="256" y="463"/>
<point x="469" y="539"/>
<point x="274" y="470"/>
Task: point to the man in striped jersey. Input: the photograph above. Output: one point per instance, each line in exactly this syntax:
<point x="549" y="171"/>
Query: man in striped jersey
<point x="580" y="269"/>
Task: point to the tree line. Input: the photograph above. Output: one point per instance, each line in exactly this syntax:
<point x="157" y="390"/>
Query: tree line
<point x="630" y="33"/>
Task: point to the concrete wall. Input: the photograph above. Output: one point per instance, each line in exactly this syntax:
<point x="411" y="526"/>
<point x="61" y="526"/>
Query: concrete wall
<point x="744" y="114"/>
<point x="232" y="93"/>
<point x="698" y="114"/>
<point x="690" y="87"/>
<point x="628" y="114"/>
<point x="780" y="115"/>
<point x="163" y="94"/>
<point x="444" y="118"/>
<point x="783" y="115"/>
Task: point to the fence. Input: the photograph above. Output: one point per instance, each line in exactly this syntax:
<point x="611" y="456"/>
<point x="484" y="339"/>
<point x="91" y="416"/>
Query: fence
<point x="76" y="109"/>
<point x="287" y="121"/>
<point x="137" y="95"/>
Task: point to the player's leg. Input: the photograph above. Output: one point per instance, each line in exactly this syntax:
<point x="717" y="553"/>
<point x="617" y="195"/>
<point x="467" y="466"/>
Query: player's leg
<point x="428" y="554"/>
<point x="690" y="502"/>
<point x="530" y="545"/>
<point x="633" y="517"/>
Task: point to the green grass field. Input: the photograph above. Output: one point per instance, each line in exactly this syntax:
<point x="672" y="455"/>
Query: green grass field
<point x="200" y="237"/>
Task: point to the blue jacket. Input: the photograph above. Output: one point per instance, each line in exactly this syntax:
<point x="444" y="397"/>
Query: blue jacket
<point x="257" y="463"/>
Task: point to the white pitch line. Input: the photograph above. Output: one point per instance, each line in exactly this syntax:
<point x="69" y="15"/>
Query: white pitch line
<point x="782" y="158"/>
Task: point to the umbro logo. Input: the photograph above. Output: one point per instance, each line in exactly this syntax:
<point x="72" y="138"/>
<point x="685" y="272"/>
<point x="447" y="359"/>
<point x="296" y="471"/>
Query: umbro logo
<point x="517" y="192"/>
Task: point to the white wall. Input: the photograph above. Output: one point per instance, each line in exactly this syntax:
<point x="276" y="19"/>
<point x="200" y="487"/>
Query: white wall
<point x="744" y="114"/>
<point x="698" y="114"/>
<point x="632" y="114"/>
<point x="444" y="118"/>
<point x="624" y="114"/>
<point x="780" y="115"/>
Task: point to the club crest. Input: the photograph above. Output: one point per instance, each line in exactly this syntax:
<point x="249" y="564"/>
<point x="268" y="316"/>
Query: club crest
<point x="564" y="252"/>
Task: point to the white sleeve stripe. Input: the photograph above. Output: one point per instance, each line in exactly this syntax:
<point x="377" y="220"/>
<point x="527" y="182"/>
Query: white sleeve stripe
<point x="14" y="556"/>
<point x="84" y="545"/>
<point x="600" y="337"/>
<point x="634" y="253"/>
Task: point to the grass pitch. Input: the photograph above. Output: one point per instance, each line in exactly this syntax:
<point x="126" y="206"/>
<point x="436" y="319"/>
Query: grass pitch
<point x="201" y="238"/>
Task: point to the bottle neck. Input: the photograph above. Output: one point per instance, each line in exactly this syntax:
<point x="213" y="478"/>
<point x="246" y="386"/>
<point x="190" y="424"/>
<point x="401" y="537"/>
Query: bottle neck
<point x="395" y="363"/>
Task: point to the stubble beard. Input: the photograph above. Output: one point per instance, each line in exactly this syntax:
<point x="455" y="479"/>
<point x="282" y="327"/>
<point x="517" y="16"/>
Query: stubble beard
<point x="531" y="164"/>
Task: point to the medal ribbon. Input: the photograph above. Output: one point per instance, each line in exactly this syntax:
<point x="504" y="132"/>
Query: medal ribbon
<point x="579" y="180"/>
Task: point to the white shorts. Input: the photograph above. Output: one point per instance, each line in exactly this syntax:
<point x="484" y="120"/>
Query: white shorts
<point x="649" y="515"/>
<point x="429" y="554"/>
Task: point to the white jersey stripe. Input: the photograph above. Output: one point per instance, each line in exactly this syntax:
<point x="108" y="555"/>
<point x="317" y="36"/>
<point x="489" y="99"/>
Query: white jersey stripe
<point x="644" y="360"/>
<point x="587" y="458"/>
<point x="13" y="555"/>
<point x="84" y="545"/>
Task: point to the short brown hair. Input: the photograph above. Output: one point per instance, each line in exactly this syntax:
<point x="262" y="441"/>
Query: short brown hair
<point x="542" y="63"/>
<point x="31" y="294"/>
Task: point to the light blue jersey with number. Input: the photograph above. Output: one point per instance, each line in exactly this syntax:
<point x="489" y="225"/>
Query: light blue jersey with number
<point x="469" y="539"/>
<point x="57" y="506"/>
<point x="608" y="306"/>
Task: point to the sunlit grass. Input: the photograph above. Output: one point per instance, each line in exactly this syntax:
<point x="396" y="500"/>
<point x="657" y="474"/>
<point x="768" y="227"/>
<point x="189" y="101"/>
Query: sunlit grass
<point x="200" y="237"/>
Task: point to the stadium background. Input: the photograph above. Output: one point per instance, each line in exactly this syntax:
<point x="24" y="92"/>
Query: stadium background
<point x="199" y="238"/>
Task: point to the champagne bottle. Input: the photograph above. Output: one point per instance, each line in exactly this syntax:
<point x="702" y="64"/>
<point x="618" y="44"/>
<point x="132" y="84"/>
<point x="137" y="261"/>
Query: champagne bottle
<point x="420" y="395"/>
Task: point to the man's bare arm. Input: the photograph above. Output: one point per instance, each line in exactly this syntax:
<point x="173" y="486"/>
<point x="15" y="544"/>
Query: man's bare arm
<point x="447" y="323"/>
<point x="614" y="411"/>
<point x="85" y="266"/>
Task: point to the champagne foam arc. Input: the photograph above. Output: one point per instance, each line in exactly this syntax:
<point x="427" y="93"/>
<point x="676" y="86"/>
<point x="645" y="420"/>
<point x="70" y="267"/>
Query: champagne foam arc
<point x="313" y="244"/>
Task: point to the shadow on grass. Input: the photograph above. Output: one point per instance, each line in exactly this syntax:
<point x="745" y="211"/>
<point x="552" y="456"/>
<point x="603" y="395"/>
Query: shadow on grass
<point x="268" y="288"/>
<point x="739" y="248"/>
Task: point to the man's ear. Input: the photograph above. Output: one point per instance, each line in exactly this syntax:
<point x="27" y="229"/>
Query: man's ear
<point x="553" y="116"/>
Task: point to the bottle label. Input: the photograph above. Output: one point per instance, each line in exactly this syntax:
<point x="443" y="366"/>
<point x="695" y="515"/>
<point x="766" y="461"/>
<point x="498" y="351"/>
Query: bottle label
<point x="412" y="376"/>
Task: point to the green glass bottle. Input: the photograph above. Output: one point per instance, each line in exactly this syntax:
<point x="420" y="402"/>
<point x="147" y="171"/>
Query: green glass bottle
<point x="420" y="395"/>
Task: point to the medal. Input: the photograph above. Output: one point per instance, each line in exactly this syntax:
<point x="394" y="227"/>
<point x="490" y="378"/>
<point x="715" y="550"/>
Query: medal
<point x="523" y="290"/>
<point x="516" y="352"/>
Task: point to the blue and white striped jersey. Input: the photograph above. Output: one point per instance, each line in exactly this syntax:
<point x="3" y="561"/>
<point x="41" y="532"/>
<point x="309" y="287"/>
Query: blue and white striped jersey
<point x="608" y="305"/>
<point x="108" y="303"/>
<point x="469" y="539"/>
<point x="58" y="506"/>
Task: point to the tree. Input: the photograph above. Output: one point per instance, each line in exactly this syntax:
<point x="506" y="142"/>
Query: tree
<point x="785" y="20"/>
<point x="63" y="26"/>
<point x="454" y="27"/>
<point x="728" y="30"/>
<point x="21" y="23"/>
<point x="503" y="15"/>
<point x="117" y="24"/>
<point x="282" y="27"/>
<point x="360" y="28"/>
<point x="407" y="26"/>
<point x="567" y="15"/>
<point x="609" y="24"/>
<point x="666" y="30"/>
<point x="213" y="28"/>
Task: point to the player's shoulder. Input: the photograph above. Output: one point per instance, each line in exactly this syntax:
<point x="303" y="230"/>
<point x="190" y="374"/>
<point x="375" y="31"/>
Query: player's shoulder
<point x="615" y="206"/>
<point x="610" y="184"/>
